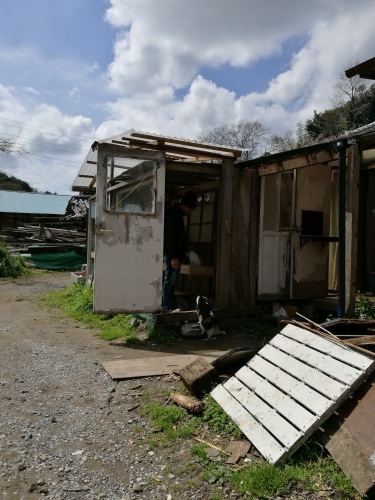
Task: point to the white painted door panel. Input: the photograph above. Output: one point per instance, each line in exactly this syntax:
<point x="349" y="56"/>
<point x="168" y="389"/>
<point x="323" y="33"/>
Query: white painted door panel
<point x="129" y="238"/>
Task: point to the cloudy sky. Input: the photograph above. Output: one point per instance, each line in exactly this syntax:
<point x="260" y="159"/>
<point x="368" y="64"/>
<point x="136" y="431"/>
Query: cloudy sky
<point x="74" y="71"/>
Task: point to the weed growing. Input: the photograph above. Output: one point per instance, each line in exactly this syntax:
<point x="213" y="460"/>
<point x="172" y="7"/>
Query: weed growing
<point x="12" y="267"/>
<point x="311" y="468"/>
<point x="76" y="301"/>
<point x="218" y="419"/>
<point x="175" y="422"/>
<point x="364" y="307"/>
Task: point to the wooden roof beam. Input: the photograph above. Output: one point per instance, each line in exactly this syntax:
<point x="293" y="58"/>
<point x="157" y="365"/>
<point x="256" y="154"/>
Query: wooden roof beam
<point x="305" y="160"/>
<point x="195" y="144"/>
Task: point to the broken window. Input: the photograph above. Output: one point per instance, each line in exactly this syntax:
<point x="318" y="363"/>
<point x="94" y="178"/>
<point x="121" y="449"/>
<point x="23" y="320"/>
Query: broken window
<point x="131" y="185"/>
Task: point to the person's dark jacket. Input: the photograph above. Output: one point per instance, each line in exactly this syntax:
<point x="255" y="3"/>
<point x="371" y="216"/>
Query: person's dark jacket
<point x="175" y="240"/>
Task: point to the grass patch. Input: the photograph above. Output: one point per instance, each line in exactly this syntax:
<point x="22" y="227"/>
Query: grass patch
<point x="12" y="267"/>
<point x="175" y="422"/>
<point x="218" y="420"/>
<point x="76" y="301"/>
<point x="311" y="469"/>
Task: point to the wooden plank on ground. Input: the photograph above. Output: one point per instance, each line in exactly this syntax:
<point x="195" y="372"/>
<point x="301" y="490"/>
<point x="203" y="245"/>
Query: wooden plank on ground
<point x="121" y="369"/>
<point x="349" y="436"/>
<point x="256" y="398"/>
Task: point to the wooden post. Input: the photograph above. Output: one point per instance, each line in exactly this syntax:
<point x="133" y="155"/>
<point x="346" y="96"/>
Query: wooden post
<point x="224" y="234"/>
<point x="244" y="240"/>
<point x="352" y="214"/>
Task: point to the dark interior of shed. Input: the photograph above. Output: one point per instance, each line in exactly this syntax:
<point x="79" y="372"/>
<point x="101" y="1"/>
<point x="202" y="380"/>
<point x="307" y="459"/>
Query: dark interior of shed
<point x="197" y="276"/>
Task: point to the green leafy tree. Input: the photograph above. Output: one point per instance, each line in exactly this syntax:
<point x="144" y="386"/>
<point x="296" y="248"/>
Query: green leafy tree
<point x="327" y="124"/>
<point x="11" y="183"/>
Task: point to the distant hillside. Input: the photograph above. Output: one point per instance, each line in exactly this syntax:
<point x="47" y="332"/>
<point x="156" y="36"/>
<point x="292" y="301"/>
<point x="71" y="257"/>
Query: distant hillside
<point x="10" y="183"/>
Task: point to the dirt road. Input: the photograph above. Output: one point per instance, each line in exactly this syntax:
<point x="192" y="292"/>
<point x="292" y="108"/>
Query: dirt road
<point x="65" y="428"/>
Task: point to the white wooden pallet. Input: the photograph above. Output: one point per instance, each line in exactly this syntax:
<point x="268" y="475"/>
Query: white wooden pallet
<point x="289" y="388"/>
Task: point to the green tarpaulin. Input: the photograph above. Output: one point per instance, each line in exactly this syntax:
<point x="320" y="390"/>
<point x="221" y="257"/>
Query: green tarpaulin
<point x="59" y="261"/>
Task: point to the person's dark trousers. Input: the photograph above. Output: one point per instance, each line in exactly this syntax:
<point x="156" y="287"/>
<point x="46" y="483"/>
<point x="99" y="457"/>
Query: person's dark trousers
<point x="169" y="283"/>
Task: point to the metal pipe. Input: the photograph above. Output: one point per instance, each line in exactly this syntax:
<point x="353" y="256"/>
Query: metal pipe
<point x="342" y="147"/>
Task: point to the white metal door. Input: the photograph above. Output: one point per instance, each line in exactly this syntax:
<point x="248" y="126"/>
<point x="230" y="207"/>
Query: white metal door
<point x="129" y="230"/>
<point x="311" y="226"/>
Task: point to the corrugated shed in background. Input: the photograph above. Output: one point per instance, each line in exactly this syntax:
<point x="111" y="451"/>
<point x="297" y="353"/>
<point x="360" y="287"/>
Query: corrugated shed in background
<point x="33" y="203"/>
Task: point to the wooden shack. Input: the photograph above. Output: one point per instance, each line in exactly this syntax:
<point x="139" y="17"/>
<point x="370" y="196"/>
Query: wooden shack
<point x="136" y="177"/>
<point x="269" y="228"/>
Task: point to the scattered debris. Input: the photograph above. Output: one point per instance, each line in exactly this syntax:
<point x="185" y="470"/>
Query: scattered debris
<point x="213" y="454"/>
<point x="193" y="405"/>
<point x="135" y="387"/>
<point x="199" y="377"/>
<point x="134" y="407"/>
<point x="237" y="449"/>
<point x="211" y="445"/>
<point x="122" y="369"/>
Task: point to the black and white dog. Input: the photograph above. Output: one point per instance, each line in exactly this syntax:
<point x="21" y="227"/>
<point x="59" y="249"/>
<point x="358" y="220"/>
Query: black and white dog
<point x="205" y="316"/>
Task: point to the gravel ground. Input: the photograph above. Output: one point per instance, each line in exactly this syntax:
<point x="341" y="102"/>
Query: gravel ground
<point x="67" y="430"/>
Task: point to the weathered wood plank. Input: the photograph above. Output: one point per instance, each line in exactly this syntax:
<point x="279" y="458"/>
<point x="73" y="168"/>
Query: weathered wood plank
<point x="351" y="433"/>
<point x="253" y="430"/>
<point x="224" y="236"/>
<point x="326" y="346"/>
<point x="280" y="428"/>
<point x="121" y="369"/>
<point x="324" y="384"/>
<point x="284" y="404"/>
<point x="309" y="398"/>
<point x="325" y="363"/>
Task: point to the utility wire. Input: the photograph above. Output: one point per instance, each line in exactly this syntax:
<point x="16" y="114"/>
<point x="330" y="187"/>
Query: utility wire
<point x="55" y="131"/>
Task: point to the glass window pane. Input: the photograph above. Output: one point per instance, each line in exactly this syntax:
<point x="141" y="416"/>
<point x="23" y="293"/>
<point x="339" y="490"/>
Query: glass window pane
<point x="194" y="234"/>
<point x="208" y="213"/>
<point x="131" y="185"/>
<point x="206" y="233"/>
<point x="195" y="215"/>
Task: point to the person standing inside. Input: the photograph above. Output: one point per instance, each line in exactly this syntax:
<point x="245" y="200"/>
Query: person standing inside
<point x="175" y="244"/>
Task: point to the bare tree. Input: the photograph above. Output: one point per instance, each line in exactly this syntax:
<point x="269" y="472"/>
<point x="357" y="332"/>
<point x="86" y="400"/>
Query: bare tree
<point x="11" y="147"/>
<point x="250" y="136"/>
<point x="349" y="97"/>
<point x="289" y="140"/>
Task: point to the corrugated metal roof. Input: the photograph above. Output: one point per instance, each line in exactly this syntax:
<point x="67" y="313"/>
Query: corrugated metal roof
<point x="33" y="203"/>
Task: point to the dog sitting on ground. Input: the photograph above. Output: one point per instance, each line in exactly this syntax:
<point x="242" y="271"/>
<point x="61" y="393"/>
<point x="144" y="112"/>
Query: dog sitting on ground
<point x="205" y="316"/>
